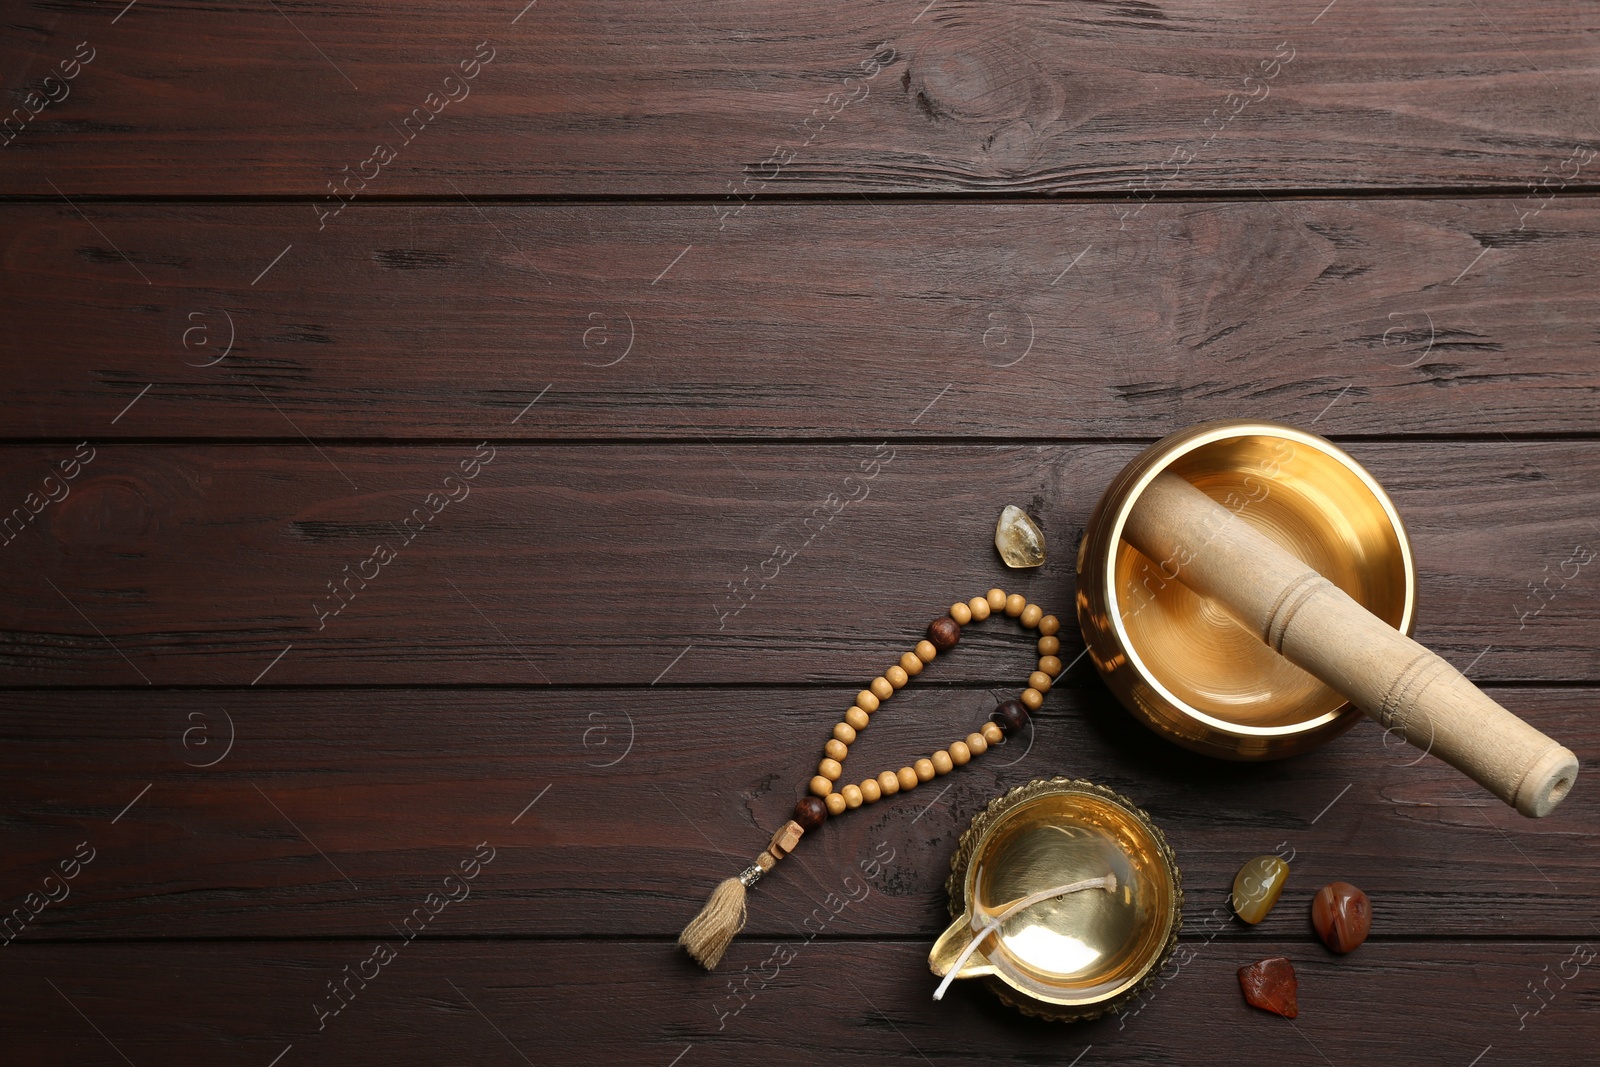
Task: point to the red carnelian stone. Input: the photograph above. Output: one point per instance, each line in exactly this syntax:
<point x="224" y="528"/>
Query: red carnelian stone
<point x="1270" y="985"/>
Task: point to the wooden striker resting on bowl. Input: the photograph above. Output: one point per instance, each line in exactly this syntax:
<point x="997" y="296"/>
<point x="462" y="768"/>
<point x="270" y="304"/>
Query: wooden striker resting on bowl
<point x="1321" y="629"/>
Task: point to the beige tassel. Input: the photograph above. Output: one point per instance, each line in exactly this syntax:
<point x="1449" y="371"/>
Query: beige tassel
<point x="709" y="934"/>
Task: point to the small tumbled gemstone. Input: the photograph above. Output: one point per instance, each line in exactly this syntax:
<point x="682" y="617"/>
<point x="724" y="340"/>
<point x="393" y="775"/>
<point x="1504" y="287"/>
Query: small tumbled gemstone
<point x="1018" y="538"/>
<point x="1270" y="985"/>
<point x="1342" y="915"/>
<point x="1257" y="886"/>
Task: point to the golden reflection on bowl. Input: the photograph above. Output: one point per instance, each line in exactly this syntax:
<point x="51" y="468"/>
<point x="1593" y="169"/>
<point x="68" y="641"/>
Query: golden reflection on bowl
<point x="1173" y="658"/>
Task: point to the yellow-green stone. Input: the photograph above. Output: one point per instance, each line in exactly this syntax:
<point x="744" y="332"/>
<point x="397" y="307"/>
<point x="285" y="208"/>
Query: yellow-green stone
<point x="1256" y="887"/>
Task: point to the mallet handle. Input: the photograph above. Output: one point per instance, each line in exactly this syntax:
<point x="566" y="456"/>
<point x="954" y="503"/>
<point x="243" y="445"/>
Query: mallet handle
<point x="1319" y="628"/>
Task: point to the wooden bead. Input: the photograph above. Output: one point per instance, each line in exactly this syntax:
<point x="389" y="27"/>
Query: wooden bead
<point x="810" y="812"/>
<point x="1010" y="716"/>
<point x="784" y="839"/>
<point x="944" y="632"/>
<point x="942" y="635"/>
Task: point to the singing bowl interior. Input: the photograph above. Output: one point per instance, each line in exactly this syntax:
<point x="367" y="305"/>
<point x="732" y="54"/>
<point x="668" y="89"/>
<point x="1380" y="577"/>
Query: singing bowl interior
<point x="1173" y="657"/>
<point x="1079" y="954"/>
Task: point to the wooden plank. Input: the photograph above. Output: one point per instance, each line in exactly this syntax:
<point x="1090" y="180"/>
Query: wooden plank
<point x="625" y="564"/>
<point x="613" y="812"/>
<point x="1037" y="321"/>
<point x="861" y="1003"/>
<point x="808" y="97"/>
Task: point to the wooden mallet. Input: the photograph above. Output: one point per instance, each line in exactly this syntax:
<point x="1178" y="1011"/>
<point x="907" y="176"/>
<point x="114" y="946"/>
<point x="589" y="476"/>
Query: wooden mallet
<point x="1316" y="626"/>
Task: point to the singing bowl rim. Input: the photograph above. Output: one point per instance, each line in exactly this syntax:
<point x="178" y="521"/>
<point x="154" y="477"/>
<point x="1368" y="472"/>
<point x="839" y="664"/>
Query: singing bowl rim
<point x="1215" y="736"/>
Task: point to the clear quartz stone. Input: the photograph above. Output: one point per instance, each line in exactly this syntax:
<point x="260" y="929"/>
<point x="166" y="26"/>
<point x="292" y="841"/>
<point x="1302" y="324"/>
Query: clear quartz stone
<point x="1018" y="538"/>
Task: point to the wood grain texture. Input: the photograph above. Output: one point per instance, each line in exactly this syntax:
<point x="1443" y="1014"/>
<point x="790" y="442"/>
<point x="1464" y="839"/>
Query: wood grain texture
<point x="662" y="100"/>
<point x="624" y="564"/>
<point x="613" y="812"/>
<point x="822" y="320"/>
<point x="865" y="1003"/>
<point x="282" y="267"/>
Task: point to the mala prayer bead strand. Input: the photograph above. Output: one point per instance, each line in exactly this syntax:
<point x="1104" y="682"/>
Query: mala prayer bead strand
<point x="710" y="933"/>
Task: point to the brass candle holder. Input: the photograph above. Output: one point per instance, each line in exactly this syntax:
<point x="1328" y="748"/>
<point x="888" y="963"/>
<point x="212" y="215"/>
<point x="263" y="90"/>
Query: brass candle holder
<point x="1079" y="955"/>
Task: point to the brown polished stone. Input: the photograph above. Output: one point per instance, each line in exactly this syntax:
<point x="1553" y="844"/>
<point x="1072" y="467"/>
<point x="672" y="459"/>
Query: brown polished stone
<point x="1342" y="915"/>
<point x="1270" y="985"/>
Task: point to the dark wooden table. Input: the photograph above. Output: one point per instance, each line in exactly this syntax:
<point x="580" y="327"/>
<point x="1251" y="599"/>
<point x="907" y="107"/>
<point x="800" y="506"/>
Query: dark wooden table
<point x="405" y="404"/>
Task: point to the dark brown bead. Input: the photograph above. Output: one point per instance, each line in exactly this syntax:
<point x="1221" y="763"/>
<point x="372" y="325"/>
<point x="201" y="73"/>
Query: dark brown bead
<point x="944" y="633"/>
<point x="1342" y="915"/>
<point x="810" y="812"/>
<point x="1010" y="716"/>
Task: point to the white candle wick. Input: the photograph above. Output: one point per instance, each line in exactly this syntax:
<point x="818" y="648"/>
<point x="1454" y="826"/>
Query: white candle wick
<point x="991" y="923"/>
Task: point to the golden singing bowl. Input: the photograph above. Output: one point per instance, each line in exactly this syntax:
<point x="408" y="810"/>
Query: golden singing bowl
<point x="1081" y="954"/>
<point x="1173" y="658"/>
